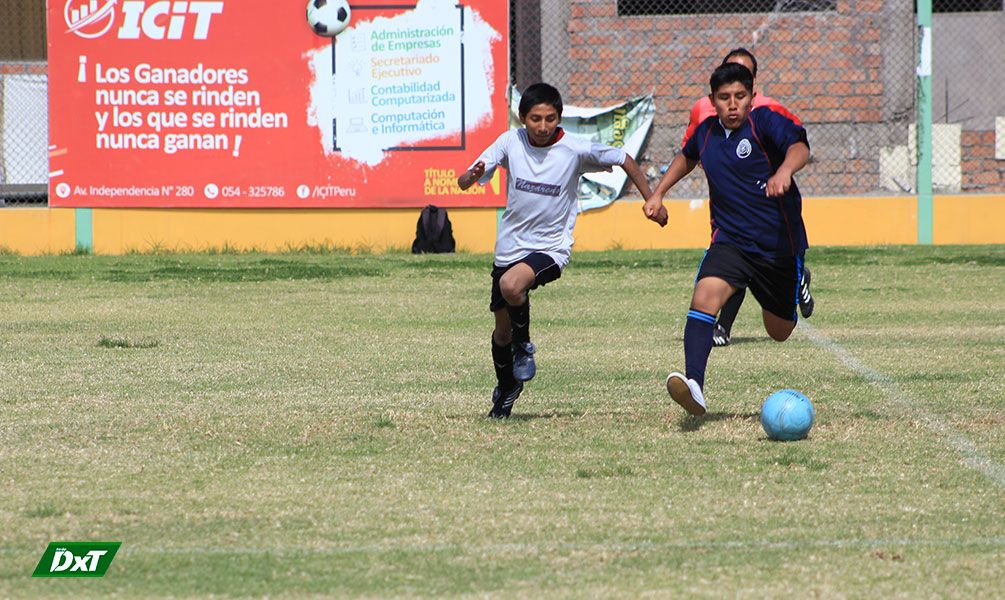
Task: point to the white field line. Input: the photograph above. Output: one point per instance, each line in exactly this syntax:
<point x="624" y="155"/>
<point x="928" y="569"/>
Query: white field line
<point x="972" y="455"/>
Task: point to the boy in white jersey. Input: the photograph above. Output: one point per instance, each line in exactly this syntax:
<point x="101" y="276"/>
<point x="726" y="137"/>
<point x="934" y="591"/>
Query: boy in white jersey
<point x="535" y="232"/>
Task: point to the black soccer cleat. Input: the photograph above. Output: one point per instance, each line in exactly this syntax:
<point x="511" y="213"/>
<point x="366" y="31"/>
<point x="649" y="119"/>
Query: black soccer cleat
<point x="524" y="368"/>
<point x="720" y="337"/>
<point x="805" y="297"/>
<point x="502" y="402"/>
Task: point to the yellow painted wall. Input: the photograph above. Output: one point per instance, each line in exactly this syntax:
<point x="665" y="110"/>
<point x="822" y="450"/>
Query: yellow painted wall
<point x="837" y="221"/>
<point x="37" y="230"/>
<point x="862" y="221"/>
<point x="622" y="225"/>
<point x="975" y="219"/>
<point x="117" y="231"/>
<point x="124" y="230"/>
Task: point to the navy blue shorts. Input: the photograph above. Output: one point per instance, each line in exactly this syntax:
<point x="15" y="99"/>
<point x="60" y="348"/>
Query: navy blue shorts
<point x="774" y="281"/>
<point x="545" y="268"/>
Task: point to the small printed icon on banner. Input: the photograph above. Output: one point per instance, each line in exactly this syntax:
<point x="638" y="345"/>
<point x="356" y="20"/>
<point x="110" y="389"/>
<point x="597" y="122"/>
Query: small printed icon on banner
<point x="63" y="190"/>
<point x="211" y="191"/>
<point x="86" y="19"/>
<point x="303" y="191"/>
<point x="76" y="559"/>
<point x="356" y="125"/>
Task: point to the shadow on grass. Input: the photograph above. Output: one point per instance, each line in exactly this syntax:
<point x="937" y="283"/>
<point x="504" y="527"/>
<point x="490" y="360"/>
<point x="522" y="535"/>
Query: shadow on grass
<point x="692" y="423"/>
<point x="522" y="416"/>
<point x="555" y="414"/>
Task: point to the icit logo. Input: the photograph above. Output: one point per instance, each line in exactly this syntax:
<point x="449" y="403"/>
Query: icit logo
<point x="164" y="19"/>
<point x="86" y="19"/>
<point x="76" y="559"/>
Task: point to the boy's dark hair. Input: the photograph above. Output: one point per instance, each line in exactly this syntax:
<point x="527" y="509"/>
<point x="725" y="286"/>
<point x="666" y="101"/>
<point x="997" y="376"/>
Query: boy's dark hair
<point x="730" y="72"/>
<point x="741" y="52"/>
<point x="540" y="93"/>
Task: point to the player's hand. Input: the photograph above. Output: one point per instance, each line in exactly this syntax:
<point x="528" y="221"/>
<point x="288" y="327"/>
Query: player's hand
<point x="662" y="216"/>
<point x="778" y="184"/>
<point x="654" y="210"/>
<point x="469" y="177"/>
<point x="477" y="170"/>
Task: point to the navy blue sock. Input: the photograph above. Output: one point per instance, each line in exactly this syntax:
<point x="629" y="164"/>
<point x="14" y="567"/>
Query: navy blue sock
<point x="502" y="359"/>
<point x="729" y="310"/>
<point x="697" y="344"/>
<point x="519" y="318"/>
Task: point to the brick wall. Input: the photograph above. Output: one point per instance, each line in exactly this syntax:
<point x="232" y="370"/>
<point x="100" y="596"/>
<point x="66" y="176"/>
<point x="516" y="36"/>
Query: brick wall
<point x="981" y="171"/>
<point x="849" y="74"/>
<point x="825" y="65"/>
<point x="20" y="68"/>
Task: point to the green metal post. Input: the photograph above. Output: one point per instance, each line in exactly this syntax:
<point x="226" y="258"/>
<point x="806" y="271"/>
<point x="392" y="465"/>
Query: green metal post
<point x="84" y="230"/>
<point x="924" y="123"/>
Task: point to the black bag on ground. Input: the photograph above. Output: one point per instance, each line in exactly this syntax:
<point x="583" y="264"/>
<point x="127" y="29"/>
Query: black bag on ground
<point x="433" y="232"/>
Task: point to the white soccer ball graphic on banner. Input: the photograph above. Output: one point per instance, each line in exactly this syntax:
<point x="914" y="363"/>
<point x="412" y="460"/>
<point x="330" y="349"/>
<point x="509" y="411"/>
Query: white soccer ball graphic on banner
<point x="328" y="17"/>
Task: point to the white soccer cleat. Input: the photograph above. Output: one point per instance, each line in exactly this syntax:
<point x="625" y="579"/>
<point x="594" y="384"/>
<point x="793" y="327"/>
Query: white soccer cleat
<point x="687" y="393"/>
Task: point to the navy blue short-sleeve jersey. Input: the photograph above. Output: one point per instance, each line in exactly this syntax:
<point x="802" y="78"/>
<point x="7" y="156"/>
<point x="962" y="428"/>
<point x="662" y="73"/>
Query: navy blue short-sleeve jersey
<point x="738" y="168"/>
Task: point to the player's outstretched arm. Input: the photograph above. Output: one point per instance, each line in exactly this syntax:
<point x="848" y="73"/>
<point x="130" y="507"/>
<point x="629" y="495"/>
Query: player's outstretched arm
<point x="469" y="177"/>
<point x="795" y="158"/>
<point x="678" y="169"/>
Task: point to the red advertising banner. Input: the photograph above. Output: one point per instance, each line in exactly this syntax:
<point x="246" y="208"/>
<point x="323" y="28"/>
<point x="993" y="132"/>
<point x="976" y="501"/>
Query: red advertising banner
<point x="253" y="104"/>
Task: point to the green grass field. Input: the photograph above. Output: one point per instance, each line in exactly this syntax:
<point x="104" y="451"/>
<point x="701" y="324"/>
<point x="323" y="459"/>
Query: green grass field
<point x="313" y="425"/>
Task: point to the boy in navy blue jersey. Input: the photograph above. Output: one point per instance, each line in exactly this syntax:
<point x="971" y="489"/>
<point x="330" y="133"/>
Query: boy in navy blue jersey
<point x="758" y="238"/>
<point x="701" y="110"/>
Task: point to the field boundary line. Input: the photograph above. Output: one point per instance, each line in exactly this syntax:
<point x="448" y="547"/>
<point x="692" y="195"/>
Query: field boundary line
<point x="972" y="455"/>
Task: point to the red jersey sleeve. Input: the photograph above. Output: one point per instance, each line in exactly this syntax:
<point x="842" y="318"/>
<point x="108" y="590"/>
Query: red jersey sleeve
<point x="775" y="106"/>
<point x="695" y="118"/>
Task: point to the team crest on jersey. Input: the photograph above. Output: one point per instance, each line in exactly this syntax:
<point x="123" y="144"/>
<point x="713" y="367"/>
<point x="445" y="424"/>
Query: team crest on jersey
<point x="743" y="149"/>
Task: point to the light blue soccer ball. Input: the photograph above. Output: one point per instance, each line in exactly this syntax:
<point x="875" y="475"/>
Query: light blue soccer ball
<point x="787" y="415"/>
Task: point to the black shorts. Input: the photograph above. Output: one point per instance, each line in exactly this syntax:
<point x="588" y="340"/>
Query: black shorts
<point x="545" y="268"/>
<point x="773" y="281"/>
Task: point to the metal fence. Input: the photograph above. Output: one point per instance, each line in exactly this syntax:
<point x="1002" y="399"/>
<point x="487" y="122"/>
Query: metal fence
<point x="24" y="154"/>
<point x="847" y="68"/>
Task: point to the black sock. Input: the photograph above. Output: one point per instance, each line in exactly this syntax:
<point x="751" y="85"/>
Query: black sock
<point x="502" y="359"/>
<point x="730" y="309"/>
<point x="697" y="344"/>
<point x="519" y="318"/>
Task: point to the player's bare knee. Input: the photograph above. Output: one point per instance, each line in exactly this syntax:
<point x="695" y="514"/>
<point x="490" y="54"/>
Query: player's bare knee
<point x="513" y="291"/>
<point x="780" y="336"/>
<point x="709" y="297"/>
